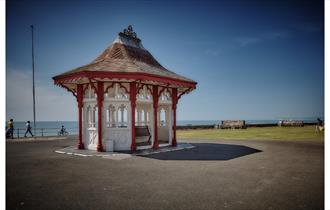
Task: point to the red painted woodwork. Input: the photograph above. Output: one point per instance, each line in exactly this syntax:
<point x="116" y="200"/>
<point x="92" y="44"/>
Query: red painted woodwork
<point x="174" y="104"/>
<point x="113" y="84"/>
<point x="139" y="87"/>
<point x="95" y="75"/>
<point x="99" y="122"/>
<point x="184" y="92"/>
<point x="90" y="84"/>
<point x="68" y="89"/>
<point x="155" y="105"/>
<point x="133" y="104"/>
<point x="80" y="96"/>
<point x="136" y="81"/>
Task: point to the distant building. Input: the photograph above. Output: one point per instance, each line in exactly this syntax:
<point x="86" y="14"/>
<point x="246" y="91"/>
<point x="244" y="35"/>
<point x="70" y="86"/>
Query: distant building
<point x="126" y="99"/>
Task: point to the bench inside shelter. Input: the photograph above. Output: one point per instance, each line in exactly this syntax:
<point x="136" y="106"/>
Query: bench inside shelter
<point x="142" y="135"/>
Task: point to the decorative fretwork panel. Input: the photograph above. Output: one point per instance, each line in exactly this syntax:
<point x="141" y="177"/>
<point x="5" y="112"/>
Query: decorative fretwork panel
<point x="165" y="96"/>
<point x="117" y="91"/>
<point x="89" y="91"/>
<point x="144" y="94"/>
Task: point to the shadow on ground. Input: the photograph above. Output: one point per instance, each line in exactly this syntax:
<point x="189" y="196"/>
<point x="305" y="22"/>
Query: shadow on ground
<point x="205" y="151"/>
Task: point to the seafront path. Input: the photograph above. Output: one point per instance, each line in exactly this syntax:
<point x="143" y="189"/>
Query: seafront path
<point x="215" y="174"/>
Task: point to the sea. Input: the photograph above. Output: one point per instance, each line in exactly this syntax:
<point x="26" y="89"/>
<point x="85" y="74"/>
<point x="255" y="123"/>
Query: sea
<point x="51" y="128"/>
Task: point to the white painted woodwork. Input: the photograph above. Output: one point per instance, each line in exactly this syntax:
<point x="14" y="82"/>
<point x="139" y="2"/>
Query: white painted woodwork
<point x="116" y="118"/>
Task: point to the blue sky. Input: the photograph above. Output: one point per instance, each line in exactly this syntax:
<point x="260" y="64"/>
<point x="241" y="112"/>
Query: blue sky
<point x="251" y="59"/>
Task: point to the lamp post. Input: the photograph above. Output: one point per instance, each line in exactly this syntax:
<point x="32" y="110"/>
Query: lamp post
<point x="33" y="88"/>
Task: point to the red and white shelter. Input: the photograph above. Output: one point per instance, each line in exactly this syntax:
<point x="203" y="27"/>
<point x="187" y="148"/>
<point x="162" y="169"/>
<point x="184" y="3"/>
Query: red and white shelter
<point x="123" y="88"/>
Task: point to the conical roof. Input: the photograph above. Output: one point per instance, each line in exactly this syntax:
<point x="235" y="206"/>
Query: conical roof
<point x="124" y="57"/>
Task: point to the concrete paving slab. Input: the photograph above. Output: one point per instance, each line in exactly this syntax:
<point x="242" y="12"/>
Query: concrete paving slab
<point x="217" y="174"/>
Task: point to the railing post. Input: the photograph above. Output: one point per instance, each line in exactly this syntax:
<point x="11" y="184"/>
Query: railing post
<point x="42" y="132"/>
<point x="17" y="132"/>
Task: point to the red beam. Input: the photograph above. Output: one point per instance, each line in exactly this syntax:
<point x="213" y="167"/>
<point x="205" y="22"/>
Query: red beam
<point x="99" y="113"/>
<point x="155" y="105"/>
<point x="80" y="106"/>
<point x="174" y="103"/>
<point x="124" y="75"/>
<point x="133" y="104"/>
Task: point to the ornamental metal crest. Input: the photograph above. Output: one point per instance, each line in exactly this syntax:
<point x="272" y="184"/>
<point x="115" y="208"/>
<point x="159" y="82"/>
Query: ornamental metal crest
<point x="129" y="33"/>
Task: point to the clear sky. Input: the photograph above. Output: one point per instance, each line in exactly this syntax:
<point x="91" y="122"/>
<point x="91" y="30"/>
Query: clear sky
<point x="251" y="59"/>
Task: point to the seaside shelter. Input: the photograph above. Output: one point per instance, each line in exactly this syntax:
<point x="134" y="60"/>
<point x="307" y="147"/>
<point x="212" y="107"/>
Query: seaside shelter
<point x="126" y="99"/>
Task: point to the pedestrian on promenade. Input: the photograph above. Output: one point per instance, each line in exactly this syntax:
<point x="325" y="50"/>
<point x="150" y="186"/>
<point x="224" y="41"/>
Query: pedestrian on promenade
<point x="28" y="128"/>
<point x="319" y="126"/>
<point x="10" y="130"/>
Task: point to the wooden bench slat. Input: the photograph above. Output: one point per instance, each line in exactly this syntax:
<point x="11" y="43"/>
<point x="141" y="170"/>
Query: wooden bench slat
<point x="141" y="133"/>
<point x="233" y="124"/>
<point x="291" y="123"/>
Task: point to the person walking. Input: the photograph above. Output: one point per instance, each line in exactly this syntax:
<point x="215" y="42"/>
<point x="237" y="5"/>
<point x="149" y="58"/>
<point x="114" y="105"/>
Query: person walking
<point x="10" y="131"/>
<point x="28" y="128"/>
<point x="319" y="125"/>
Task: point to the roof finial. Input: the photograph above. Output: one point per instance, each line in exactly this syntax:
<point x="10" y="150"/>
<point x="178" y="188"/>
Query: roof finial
<point x="130" y="28"/>
<point x="129" y="33"/>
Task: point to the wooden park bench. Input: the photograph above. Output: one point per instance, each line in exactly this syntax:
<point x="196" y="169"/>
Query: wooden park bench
<point x="142" y="134"/>
<point x="291" y="123"/>
<point x="233" y="124"/>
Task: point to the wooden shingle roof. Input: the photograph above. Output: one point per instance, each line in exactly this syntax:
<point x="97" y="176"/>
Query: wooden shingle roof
<point x="126" y="55"/>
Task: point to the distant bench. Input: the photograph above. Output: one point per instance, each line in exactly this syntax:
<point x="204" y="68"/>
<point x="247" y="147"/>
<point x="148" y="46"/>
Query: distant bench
<point x="142" y="134"/>
<point x="233" y="124"/>
<point x="291" y="123"/>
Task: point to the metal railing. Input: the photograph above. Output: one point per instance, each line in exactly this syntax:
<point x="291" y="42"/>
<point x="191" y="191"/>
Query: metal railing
<point x="20" y="132"/>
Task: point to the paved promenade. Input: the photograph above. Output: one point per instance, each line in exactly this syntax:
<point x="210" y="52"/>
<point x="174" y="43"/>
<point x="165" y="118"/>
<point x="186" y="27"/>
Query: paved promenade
<point x="213" y="175"/>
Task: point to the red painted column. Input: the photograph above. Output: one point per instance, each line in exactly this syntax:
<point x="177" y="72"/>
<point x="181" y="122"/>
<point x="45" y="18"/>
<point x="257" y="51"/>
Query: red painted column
<point x="100" y="92"/>
<point x="174" y="103"/>
<point x="132" y="98"/>
<point x="80" y="96"/>
<point x="155" y="105"/>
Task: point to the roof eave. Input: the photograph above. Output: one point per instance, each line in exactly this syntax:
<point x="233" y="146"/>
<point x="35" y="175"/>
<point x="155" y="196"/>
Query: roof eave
<point x="94" y="75"/>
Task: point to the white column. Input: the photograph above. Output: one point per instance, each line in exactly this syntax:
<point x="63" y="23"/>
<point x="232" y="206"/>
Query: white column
<point x="139" y="116"/>
<point x="145" y="117"/>
<point x="116" y="112"/>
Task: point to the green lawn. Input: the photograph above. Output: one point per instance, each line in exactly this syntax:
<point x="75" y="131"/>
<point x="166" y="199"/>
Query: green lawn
<point x="267" y="133"/>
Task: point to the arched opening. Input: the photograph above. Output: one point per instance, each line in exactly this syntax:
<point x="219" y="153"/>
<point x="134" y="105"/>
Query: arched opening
<point x="147" y="118"/>
<point x="111" y="116"/>
<point x="95" y="117"/>
<point x="88" y="116"/>
<point x="162" y="118"/>
<point x="91" y="116"/>
<point x="122" y="116"/>
<point x="164" y="124"/>
<point x="136" y="117"/>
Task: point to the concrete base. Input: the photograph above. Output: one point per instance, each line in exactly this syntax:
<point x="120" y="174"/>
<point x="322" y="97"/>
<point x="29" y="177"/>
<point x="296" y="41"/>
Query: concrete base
<point x="72" y="150"/>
